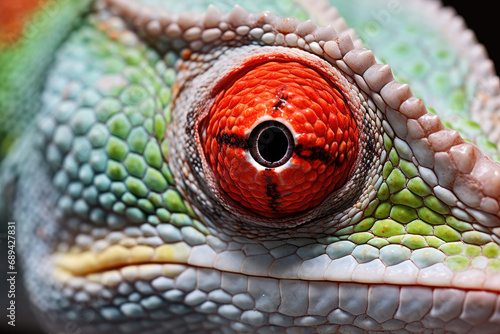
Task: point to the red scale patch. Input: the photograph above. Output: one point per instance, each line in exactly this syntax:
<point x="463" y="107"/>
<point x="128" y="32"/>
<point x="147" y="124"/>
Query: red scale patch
<point x="325" y="135"/>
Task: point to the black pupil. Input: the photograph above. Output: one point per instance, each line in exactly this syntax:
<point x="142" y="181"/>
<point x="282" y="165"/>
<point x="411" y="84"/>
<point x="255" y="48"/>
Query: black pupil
<point x="271" y="144"/>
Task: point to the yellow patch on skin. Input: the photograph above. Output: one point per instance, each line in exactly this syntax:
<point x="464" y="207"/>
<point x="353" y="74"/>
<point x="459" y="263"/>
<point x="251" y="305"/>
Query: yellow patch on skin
<point x="113" y="256"/>
<point x="141" y="254"/>
<point x="90" y="263"/>
<point x="164" y="253"/>
<point x="77" y="263"/>
<point x="113" y="278"/>
<point x="178" y="252"/>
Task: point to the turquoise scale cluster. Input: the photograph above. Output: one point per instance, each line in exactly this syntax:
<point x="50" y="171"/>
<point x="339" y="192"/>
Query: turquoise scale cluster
<point x="108" y="134"/>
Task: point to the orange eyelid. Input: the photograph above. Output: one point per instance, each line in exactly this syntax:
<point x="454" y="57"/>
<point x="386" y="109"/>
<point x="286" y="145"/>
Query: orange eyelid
<point x="297" y="98"/>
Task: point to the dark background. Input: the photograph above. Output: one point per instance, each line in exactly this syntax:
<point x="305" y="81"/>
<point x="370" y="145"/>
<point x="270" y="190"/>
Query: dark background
<point x="482" y="18"/>
<point x="479" y="17"/>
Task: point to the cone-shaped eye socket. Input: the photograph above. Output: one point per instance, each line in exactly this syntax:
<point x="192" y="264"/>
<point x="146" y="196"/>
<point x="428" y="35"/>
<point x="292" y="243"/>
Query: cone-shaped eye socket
<point x="279" y="138"/>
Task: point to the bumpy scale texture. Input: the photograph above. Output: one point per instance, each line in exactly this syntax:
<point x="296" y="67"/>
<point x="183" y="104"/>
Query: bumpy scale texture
<point x="141" y="209"/>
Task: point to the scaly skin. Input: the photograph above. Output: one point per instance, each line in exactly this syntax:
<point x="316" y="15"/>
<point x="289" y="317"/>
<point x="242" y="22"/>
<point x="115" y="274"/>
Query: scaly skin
<point x="124" y="226"/>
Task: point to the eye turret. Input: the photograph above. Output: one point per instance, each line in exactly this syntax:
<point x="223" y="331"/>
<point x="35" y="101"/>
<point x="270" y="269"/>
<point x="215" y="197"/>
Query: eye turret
<point x="279" y="138"/>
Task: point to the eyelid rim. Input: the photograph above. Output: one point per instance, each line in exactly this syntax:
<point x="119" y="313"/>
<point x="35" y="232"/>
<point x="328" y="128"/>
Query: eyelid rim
<point x="233" y="68"/>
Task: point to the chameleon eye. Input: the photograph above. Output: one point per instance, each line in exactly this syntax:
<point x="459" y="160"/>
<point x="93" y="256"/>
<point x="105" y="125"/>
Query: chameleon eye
<point x="280" y="138"/>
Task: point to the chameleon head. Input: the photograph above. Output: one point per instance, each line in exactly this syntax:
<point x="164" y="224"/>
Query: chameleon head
<point x="241" y="172"/>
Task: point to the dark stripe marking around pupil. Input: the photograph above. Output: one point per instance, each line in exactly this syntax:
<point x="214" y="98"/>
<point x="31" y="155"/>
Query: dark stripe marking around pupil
<point x="313" y="153"/>
<point x="272" y="190"/>
<point x="232" y="140"/>
<point x="306" y="153"/>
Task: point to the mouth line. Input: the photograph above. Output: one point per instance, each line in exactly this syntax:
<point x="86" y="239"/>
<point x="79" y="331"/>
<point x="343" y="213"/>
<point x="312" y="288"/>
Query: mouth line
<point x="172" y="259"/>
<point x="151" y="270"/>
<point x="124" y="266"/>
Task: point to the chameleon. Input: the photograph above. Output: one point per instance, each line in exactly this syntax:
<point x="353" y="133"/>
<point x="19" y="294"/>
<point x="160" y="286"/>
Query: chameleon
<point x="233" y="167"/>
